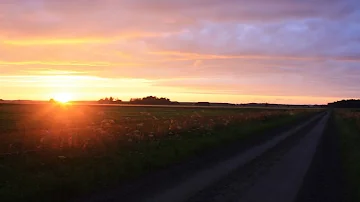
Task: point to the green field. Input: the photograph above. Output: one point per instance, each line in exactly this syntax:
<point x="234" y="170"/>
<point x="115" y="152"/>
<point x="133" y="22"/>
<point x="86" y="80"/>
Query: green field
<point x="348" y="123"/>
<point x="61" y="151"/>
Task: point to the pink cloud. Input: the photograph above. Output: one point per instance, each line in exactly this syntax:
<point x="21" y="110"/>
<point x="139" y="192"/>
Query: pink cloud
<point x="280" y="47"/>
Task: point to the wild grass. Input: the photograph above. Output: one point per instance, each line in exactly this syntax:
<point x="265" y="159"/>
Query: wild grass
<point x="348" y="123"/>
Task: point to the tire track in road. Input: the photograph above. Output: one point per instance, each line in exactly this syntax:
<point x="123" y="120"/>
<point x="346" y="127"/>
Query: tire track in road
<point x="284" y="180"/>
<point x="238" y="182"/>
<point x="325" y="179"/>
<point x="199" y="181"/>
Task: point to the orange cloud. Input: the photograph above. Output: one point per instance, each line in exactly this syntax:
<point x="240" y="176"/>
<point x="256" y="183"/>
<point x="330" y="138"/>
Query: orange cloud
<point x="57" y="72"/>
<point x="67" y="63"/>
<point x="53" y="40"/>
<point x="30" y="42"/>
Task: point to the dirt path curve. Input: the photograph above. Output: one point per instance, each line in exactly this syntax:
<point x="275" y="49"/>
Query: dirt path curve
<point x="190" y="187"/>
<point x="284" y="180"/>
<point x="324" y="182"/>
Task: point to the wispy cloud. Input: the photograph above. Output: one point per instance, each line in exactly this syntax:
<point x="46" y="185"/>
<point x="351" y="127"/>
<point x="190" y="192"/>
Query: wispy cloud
<point x="177" y="55"/>
<point x="53" y="40"/>
<point x="31" y="42"/>
<point x="55" y="63"/>
<point x="285" y="48"/>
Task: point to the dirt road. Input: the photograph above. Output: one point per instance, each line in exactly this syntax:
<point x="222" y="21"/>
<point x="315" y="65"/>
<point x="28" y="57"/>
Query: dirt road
<point x="272" y="171"/>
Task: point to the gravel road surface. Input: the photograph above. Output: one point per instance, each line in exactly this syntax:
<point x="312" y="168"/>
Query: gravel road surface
<point x="273" y="170"/>
<point x="287" y="174"/>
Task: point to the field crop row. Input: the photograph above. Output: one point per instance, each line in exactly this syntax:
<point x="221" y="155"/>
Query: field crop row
<point x="62" y="127"/>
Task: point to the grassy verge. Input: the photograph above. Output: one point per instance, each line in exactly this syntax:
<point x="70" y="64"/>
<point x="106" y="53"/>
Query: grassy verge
<point x="51" y="177"/>
<point x="350" y="148"/>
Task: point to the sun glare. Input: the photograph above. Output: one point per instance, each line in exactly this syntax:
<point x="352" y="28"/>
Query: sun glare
<point x="63" y="97"/>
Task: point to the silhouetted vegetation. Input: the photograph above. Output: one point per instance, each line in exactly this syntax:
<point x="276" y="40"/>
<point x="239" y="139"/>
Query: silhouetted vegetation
<point x="202" y="104"/>
<point x="223" y="104"/>
<point x="152" y="100"/>
<point x="345" y="104"/>
<point x="110" y="100"/>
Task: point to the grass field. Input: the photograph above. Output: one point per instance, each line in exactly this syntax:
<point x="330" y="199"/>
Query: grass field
<point x="348" y="123"/>
<point x="56" y="152"/>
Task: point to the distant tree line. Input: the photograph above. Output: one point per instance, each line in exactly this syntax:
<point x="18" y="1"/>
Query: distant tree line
<point x="149" y="100"/>
<point x="110" y="100"/>
<point x="152" y="100"/>
<point x="352" y="103"/>
<point x="202" y="104"/>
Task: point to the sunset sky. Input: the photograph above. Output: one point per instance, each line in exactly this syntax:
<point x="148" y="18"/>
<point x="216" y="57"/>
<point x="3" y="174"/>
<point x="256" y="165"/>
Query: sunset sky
<point x="278" y="51"/>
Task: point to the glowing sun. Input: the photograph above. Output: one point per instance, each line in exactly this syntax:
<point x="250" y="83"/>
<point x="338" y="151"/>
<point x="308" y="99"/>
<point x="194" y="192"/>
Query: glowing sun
<point x="63" y="97"/>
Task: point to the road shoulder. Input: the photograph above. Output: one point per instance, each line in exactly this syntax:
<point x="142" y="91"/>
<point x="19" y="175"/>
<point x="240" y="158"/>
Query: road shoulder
<point x="324" y="180"/>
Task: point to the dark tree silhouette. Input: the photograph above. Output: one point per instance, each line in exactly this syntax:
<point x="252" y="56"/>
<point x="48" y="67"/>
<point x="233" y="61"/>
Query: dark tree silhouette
<point x="152" y="100"/>
<point x="352" y="103"/>
<point x="202" y="104"/>
<point x="110" y="100"/>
